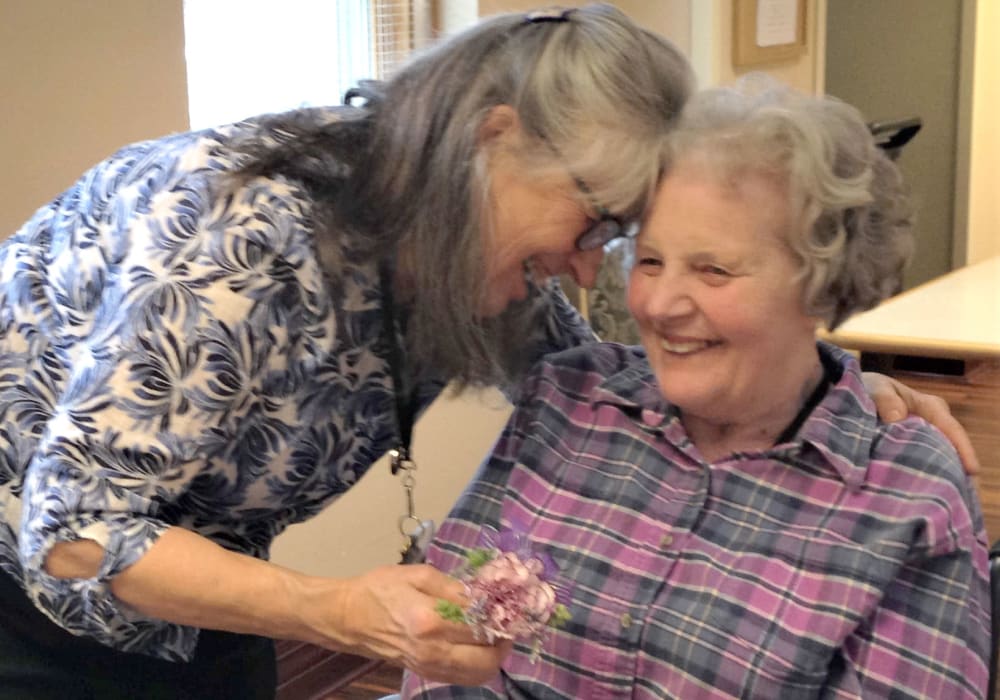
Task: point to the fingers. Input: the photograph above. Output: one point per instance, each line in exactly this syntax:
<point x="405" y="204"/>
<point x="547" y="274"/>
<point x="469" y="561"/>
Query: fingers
<point x="935" y="411"/>
<point x="447" y="651"/>
<point x="392" y="615"/>
<point x="893" y="400"/>
<point x="464" y="664"/>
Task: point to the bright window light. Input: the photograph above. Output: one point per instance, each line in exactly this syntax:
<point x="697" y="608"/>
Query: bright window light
<point x="249" y="57"/>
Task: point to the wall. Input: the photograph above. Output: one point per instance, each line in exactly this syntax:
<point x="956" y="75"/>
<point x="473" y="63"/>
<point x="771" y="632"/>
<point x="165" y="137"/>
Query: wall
<point x="889" y="73"/>
<point x="983" y="223"/>
<point x="712" y="47"/>
<point x="701" y="28"/>
<point x="79" y="80"/>
<point x="671" y="18"/>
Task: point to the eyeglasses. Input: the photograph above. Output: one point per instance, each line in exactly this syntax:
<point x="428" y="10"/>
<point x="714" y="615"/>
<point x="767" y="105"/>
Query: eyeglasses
<point x="607" y="227"/>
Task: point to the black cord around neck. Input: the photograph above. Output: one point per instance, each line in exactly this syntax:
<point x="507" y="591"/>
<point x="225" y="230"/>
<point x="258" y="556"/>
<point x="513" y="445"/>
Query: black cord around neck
<point x="831" y="375"/>
<point x="405" y="400"/>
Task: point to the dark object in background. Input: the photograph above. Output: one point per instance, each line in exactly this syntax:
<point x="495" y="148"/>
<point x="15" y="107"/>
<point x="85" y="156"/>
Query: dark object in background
<point x="891" y="136"/>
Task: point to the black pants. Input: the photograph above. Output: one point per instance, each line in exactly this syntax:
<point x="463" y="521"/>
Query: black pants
<point x="41" y="661"/>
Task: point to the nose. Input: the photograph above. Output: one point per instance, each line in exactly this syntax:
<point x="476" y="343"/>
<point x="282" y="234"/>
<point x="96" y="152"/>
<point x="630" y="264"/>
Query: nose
<point x="666" y="298"/>
<point x="584" y="265"/>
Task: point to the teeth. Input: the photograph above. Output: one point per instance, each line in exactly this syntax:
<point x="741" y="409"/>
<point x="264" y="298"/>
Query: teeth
<point x="684" y="347"/>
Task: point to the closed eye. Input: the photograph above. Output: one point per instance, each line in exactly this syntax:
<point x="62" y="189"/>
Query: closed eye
<point x="714" y="270"/>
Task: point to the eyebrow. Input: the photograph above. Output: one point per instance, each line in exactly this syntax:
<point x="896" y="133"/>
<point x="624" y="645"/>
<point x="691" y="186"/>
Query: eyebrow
<point x="602" y="211"/>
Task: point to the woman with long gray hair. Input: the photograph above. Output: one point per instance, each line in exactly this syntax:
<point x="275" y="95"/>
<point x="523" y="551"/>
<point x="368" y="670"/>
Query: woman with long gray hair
<point x="213" y="335"/>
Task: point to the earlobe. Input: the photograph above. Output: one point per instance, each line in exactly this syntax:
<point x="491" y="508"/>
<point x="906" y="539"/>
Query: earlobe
<point x="500" y="122"/>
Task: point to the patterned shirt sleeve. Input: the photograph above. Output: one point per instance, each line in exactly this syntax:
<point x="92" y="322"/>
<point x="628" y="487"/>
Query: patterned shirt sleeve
<point x="153" y="378"/>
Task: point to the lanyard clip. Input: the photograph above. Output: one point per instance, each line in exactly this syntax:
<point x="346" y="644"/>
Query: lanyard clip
<point x="399" y="458"/>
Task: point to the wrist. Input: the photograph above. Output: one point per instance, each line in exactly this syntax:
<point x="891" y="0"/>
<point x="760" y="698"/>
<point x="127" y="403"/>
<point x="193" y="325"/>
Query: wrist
<point x="319" y="612"/>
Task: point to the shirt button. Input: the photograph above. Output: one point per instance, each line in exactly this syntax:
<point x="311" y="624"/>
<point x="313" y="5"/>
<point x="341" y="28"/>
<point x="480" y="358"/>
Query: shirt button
<point x="626" y="621"/>
<point x="666" y="541"/>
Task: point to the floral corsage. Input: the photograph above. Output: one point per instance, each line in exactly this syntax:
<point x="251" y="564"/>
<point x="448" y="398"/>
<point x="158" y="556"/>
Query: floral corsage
<point x="511" y="588"/>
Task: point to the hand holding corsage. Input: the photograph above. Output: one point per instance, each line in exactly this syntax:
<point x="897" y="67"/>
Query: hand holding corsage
<point x="511" y="591"/>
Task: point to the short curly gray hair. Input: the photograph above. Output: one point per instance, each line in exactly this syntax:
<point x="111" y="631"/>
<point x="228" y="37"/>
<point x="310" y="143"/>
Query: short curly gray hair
<point x="854" y="232"/>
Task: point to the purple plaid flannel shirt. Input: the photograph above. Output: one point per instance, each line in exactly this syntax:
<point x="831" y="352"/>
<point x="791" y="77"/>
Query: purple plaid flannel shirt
<point x="850" y="562"/>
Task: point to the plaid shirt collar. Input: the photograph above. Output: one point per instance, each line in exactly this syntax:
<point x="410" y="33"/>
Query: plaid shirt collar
<point x="837" y="435"/>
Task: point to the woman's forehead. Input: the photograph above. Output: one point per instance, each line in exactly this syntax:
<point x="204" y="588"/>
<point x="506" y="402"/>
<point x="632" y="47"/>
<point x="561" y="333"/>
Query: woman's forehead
<point x="696" y="203"/>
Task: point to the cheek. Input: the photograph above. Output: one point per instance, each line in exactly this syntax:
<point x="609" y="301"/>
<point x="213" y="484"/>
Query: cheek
<point x="763" y="332"/>
<point x="743" y="322"/>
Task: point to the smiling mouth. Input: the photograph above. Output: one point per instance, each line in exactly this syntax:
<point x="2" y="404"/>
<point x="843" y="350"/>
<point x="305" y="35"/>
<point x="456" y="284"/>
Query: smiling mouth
<point x="686" y="347"/>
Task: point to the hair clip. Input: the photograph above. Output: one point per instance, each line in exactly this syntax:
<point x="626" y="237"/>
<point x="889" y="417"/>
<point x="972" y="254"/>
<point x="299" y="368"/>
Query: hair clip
<point x="550" y="14"/>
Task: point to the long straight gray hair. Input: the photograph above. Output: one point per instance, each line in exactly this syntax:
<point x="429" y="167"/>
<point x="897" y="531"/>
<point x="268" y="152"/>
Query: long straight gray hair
<point x="405" y="170"/>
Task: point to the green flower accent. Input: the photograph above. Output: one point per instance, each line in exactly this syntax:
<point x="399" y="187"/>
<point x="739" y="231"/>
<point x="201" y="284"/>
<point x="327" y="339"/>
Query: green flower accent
<point x="450" y="611"/>
<point x="475" y="558"/>
<point x="560" y="616"/>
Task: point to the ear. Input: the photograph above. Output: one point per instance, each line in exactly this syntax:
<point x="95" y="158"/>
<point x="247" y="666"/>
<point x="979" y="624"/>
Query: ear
<point x="500" y="124"/>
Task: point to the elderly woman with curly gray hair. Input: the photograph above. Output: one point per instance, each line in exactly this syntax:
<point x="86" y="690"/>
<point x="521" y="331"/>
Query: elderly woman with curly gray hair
<point x="728" y="516"/>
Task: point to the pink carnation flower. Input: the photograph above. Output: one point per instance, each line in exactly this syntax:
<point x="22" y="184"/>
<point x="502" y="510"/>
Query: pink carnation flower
<point x="508" y="598"/>
<point x="510" y="588"/>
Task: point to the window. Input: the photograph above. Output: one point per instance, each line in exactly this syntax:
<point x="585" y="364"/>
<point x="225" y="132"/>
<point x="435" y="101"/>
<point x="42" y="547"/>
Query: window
<point x="248" y="57"/>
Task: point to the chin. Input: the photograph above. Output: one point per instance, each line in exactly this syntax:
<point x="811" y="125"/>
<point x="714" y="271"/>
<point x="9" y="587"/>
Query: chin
<point x="690" y="397"/>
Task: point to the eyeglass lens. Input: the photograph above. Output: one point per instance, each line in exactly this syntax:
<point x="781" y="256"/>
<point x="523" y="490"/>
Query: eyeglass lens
<point x="598" y="235"/>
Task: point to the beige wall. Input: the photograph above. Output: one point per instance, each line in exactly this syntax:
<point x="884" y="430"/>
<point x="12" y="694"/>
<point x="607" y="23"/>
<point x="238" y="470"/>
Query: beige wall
<point x="80" y="79"/>
<point x="700" y="28"/>
<point x="983" y="235"/>
<point x="671" y="18"/>
<point x="714" y="35"/>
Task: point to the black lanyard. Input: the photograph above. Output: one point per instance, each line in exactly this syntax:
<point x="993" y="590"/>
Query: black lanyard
<point x="416" y="533"/>
<point x="405" y="400"/>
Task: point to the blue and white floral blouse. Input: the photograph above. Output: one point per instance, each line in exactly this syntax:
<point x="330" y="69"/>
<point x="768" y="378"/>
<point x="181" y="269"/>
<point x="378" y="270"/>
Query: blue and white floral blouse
<point x="171" y="354"/>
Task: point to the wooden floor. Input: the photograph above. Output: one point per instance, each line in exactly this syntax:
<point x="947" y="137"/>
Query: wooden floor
<point x="308" y="672"/>
<point x="385" y="680"/>
<point x="974" y="398"/>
